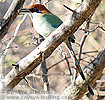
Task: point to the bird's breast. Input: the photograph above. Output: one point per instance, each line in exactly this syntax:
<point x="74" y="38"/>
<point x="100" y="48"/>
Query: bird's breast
<point x="42" y="26"/>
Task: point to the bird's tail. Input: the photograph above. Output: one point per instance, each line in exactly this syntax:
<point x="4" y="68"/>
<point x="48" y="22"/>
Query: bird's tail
<point x="68" y="43"/>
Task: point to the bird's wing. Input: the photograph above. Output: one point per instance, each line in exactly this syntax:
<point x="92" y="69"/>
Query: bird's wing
<point x="53" y="20"/>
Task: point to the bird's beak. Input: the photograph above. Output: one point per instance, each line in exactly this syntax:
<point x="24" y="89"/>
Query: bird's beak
<point x="23" y="11"/>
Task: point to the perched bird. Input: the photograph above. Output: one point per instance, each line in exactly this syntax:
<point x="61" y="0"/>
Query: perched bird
<point x="45" y="22"/>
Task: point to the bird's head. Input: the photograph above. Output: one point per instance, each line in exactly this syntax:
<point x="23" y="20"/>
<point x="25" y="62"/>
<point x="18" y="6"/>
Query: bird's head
<point x="36" y="8"/>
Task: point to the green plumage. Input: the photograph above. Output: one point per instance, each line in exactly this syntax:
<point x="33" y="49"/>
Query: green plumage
<point x="53" y="20"/>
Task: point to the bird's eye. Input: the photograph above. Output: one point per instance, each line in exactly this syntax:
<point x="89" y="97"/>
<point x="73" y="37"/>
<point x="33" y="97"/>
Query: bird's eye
<point x="35" y="9"/>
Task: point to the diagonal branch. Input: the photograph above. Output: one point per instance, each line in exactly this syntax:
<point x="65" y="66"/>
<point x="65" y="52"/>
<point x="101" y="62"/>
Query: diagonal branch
<point x="10" y="16"/>
<point x="32" y="60"/>
<point x="92" y="73"/>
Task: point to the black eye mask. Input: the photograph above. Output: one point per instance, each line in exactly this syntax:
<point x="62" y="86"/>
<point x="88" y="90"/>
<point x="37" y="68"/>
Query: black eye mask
<point x="35" y="10"/>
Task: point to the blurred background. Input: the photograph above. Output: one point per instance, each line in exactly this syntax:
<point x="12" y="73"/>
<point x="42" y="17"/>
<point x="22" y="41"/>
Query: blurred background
<point x="58" y="75"/>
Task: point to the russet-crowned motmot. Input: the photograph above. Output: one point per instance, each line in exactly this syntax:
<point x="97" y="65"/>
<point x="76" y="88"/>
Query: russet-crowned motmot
<point x="45" y="22"/>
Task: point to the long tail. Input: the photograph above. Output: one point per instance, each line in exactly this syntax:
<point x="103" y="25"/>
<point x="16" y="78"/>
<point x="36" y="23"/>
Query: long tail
<point x="68" y="43"/>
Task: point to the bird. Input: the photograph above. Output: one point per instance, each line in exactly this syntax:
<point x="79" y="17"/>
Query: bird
<point x="45" y="22"/>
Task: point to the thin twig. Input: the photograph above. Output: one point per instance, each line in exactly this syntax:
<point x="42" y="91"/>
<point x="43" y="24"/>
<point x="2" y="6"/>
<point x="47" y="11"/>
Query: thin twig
<point x="46" y="2"/>
<point x="28" y="83"/>
<point x="69" y="9"/>
<point x="10" y="16"/>
<point x="71" y="76"/>
<point x="64" y="55"/>
<point x="93" y="30"/>
<point x="69" y="57"/>
<point x="81" y="46"/>
<point x="84" y="36"/>
<point x="9" y="43"/>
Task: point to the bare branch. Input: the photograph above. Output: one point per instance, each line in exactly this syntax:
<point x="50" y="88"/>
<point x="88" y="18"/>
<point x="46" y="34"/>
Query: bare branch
<point x="93" y="30"/>
<point x="47" y="1"/>
<point x="84" y="36"/>
<point x="10" y="16"/>
<point x="31" y="61"/>
<point x="11" y="40"/>
<point x="92" y="73"/>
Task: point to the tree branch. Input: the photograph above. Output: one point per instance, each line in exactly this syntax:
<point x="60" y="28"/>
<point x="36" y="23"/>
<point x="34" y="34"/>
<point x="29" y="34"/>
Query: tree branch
<point x="10" y="16"/>
<point x="32" y="60"/>
<point x="92" y="72"/>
